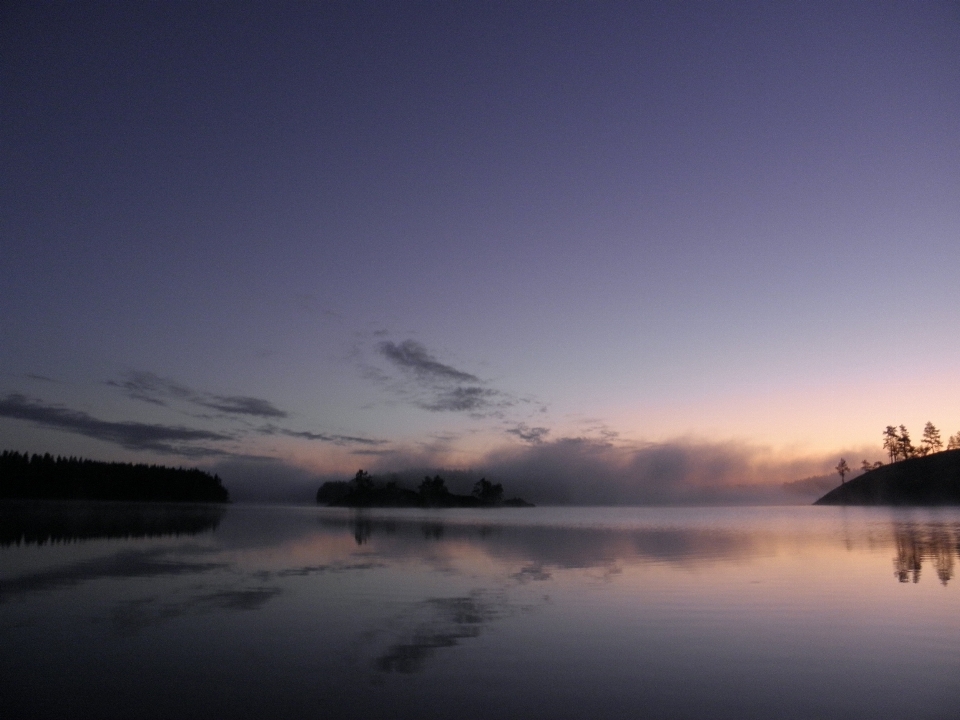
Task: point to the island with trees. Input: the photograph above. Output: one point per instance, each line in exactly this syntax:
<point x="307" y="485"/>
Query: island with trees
<point x="926" y="474"/>
<point x="364" y="491"/>
<point x="44" y="477"/>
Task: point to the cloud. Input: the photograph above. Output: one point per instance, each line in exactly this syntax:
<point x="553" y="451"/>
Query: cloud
<point x="534" y="435"/>
<point x="335" y="439"/>
<point x="242" y="405"/>
<point x="458" y="399"/>
<point x="234" y="411"/>
<point x="41" y="378"/>
<point x="153" y="389"/>
<point x="130" y="435"/>
<point x="429" y="384"/>
<point x="323" y="437"/>
<point x="411" y="355"/>
<point x="150" y="388"/>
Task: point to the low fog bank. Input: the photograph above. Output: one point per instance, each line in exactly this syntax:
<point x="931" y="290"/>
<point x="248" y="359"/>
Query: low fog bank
<point x="267" y="480"/>
<point x="583" y="471"/>
<point x="577" y="471"/>
<point x="580" y="471"/>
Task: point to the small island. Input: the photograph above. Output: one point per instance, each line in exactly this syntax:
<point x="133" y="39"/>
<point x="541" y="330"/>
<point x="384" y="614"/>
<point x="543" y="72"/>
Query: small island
<point x="44" y="477"/>
<point x="924" y="475"/>
<point x="364" y="491"/>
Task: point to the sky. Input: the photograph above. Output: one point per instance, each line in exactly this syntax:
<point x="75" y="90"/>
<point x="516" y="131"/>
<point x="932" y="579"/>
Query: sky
<point x="605" y="252"/>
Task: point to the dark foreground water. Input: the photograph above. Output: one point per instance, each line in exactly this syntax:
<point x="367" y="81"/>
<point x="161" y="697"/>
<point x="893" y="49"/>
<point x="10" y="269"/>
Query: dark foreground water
<point x="261" y="612"/>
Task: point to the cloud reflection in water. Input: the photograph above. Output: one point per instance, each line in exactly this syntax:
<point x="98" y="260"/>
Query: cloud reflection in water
<point x="630" y="607"/>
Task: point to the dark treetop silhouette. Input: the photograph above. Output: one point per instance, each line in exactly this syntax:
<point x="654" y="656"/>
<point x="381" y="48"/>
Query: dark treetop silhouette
<point x="44" y="477"/>
<point x="916" y="475"/>
<point x="923" y="480"/>
<point x="363" y="491"/>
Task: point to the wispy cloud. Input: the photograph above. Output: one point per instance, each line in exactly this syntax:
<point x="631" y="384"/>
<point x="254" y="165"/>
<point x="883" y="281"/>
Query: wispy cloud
<point x="156" y="390"/>
<point x="40" y="378"/>
<point x="460" y="399"/>
<point x="323" y="437"/>
<point x="242" y="405"/>
<point x="418" y="377"/>
<point x="534" y="435"/>
<point x="411" y="355"/>
<point x="130" y="435"/>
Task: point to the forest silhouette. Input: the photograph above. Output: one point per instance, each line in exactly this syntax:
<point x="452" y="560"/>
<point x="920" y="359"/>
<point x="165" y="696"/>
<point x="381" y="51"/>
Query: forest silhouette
<point x="44" y="477"/>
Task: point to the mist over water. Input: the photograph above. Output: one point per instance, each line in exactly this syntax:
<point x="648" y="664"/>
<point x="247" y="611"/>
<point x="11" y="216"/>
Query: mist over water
<point x="545" y="612"/>
<point x="574" y="471"/>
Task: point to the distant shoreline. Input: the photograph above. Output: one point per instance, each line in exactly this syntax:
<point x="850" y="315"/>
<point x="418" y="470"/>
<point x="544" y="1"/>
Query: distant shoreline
<point x="44" y="477"/>
<point x="364" y="491"/>
<point x="455" y="501"/>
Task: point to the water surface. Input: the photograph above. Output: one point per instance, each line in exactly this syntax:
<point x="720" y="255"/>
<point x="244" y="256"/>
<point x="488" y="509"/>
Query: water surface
<point x="122" y="611"/>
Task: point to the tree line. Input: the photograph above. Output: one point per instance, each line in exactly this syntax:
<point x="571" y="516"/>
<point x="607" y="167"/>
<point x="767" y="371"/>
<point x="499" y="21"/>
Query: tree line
<point x="44" y="477"/>
<point x="899" y="446"/>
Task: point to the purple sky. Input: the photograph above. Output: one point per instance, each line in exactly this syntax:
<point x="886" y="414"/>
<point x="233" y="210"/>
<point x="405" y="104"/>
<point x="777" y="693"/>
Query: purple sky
<point x="287" y="240"/>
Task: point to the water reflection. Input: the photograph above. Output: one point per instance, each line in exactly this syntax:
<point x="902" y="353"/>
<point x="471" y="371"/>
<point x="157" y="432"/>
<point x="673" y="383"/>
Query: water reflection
<point x="584" y="547"/>
<point x="128" y="564"/>
<point x="447" y="622"/>
<point x="133" y="616"/>
<point x="41" y="522"/>
<point x="562" y="546"/>
<point x="362" y="528"/>
<point x="915" y="543"/>
<point x="547" y="614"/>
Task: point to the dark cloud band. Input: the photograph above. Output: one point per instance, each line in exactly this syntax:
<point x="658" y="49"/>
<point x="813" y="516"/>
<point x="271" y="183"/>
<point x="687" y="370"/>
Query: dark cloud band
<point x="460" y="399"/>
<point x="335" y="439"/>
<point x="131" y="435"/>
<point x="434" y="386"/>
<point x="412" y="356"/>
<point x="153" y="389"/>
<point x="533" y="435"/>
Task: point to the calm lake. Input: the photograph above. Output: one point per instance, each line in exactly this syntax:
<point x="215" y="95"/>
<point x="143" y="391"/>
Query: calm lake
<point x="120" y="611"/>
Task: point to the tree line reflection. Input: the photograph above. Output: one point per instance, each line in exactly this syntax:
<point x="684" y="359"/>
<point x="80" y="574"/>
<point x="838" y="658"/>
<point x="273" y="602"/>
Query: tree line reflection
<point x="916" y="544"/>
<point x="559" y="546"/>
<point x="42" y="522"/>
<point x="363" y="527"/>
